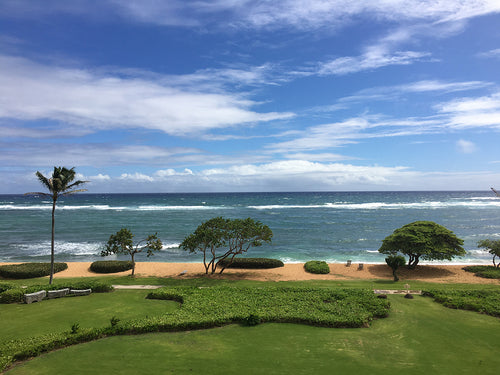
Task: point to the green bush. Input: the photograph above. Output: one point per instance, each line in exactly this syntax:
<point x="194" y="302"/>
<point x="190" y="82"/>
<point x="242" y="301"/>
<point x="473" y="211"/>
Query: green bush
<point x="29" y="270"/>
<point x="6" y="286"/>
<point x="317" y="266"/>
<point x="483" y="301"/>
<point x="252" y="263"/>
<point x="111" y="266"/>
<point x="12" y="295"/>
<point x="488" y="272"/>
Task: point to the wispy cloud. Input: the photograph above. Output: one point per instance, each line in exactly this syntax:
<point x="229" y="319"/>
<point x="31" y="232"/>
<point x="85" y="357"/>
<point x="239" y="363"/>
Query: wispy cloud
<point x="491" y="53"/>
<point x="32" y="91"/>
<point x="466" y="147"/>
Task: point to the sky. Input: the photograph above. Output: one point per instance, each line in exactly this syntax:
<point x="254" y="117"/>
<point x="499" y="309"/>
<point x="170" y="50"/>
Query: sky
<point x="251" y="95"/>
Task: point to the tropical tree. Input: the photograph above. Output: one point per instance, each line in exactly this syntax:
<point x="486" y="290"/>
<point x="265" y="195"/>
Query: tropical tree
<point x="395" y="261"/>
<point x="122" y="243"/>
<point x="493" y="247"/>
<point x="220" y="239"/>
<point x="423" y="239"/>
<point x="61" y="183"/>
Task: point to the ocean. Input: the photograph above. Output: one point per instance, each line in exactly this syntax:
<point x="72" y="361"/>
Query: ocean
<point x="330" y="226"/>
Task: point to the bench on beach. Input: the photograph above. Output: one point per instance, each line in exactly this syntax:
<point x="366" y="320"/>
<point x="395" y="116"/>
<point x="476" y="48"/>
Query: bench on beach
<point x="348" y="263"/>
<point x="57" y="293"/>
<point x="80" y="292"/>
<point x="35" y="297"/>
<point x="360" y="267"/>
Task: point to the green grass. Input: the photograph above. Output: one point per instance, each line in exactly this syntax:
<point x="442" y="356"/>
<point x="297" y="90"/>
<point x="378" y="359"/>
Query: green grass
<point x="419" y="337"/>
<point x="95" y="310"/>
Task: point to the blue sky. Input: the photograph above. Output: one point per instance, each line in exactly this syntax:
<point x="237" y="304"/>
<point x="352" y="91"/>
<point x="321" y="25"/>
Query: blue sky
<point x="224" y="95"/>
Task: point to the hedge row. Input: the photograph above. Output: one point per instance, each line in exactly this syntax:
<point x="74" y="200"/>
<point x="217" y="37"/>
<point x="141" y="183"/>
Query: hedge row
<point x="217" y="306"/>
<point x="488" y="272"/>
<point x="16" y="294"/>
<point x="252" y="263"/>
<point x="317" y="266"/>
<point x="111" y="266"/>
<point x="483" y="301"/>
<point x="29" y="270"/>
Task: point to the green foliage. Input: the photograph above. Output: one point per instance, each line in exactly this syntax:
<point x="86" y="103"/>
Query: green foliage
<point x="317" y="266"/>
<point x="111" y="266"/>
<point x="423" y="239"/>
<point x="251" y="263"/>
<point x="75" y="327"/>
<point x="395" y="261"/>
<point x="493" y="247"/>
<point x="16" y="295"/>
<point x="251" y="320"/>
<point x="29" y="270"/>
<point x="229" y="237"/>
<point x="488" y="272"/>
<point x="215" y="306"/>
<point x="6" y="286"/>
<point x="114" y="321"/>
<point x="483" y="301"/>
<point x="122" y="243"/>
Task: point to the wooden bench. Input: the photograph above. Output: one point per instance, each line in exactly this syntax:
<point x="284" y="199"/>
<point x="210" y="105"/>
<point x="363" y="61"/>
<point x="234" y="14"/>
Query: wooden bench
<point x="348" y="263"/>
<point x="57" y="293"/>
<point x="360" y="267"/>
<point x="80" y="292"/>
<point x="35" y="297"/>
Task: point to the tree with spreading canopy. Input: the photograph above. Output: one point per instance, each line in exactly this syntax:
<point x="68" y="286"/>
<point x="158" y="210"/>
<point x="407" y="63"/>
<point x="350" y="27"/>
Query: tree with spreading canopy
<point x="219" y="239"/>
<point x="59" y="184"/>
<point x="423" y="240"/>
<point x="395" y="261"/>
<point x="122" y="243"/>
<point x="493" y="247"/>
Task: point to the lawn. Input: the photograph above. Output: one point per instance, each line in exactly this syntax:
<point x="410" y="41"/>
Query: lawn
<point x="419" y="336"/>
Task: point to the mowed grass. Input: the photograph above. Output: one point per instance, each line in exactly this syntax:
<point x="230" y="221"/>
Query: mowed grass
<point x="420" y="336"/>
<point x="95" y="310"/>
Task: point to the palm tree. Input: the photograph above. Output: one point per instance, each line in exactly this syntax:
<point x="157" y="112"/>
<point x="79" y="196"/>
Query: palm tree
<point x="60" y="184"/>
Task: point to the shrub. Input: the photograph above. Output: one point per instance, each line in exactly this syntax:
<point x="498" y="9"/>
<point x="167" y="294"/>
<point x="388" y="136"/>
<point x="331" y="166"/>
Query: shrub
<point x="252" y="263"/>
<point x="251" y="320"/>
<point x="12" y="295"/>
<point x="488" y="272"/>
<point x="111" y="266"/>
<point x="317" y="266"/>
<point x="483" y="301"/>
<point x="6" y="286"/>
<point x="29" y="270"/>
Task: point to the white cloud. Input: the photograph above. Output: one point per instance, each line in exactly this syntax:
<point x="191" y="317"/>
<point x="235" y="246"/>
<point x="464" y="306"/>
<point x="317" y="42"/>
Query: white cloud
<point x="136" y="177"/>
<point x="491" y="53"/>
<point x="99" y="178"/>
<point x="466" y="147"/>
<point x="31" y="91"/>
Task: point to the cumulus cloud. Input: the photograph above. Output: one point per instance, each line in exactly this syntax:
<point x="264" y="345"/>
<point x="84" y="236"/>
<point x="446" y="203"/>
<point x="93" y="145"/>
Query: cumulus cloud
<point x="32" y="91"/>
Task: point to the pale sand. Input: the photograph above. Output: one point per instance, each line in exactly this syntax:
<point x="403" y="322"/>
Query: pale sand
<point x="291" y="272"/>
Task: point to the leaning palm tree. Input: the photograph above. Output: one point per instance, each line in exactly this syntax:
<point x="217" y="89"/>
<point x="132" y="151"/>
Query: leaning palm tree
<point x="59" y="184"/>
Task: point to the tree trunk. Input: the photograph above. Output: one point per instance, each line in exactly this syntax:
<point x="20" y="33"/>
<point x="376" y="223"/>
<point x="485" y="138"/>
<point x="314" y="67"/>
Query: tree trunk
<point x="396" y="278"/>
<point x="133" y="264"/>
<point x="413" y="261"/>
<point x="52" y="240"/>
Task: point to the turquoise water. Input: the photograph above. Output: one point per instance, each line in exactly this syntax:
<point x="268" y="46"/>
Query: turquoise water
<point x="324" y="226"/>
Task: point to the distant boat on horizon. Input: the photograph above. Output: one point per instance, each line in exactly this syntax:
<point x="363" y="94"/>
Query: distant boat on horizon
<point x="496" y="192"/>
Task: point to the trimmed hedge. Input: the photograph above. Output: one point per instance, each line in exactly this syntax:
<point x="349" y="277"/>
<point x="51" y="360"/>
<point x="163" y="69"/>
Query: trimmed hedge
<point x="483" y="301"/>
<point x="111" y="266"/>
<point x="16" y="294"/>
<point x="317" y="266"/>
<point x="29" y="270"/>
<point x="217" y="306"/>
<point x="6" y="286"/>
<point x="252" y="263"/>
<point x="487" y="272"/>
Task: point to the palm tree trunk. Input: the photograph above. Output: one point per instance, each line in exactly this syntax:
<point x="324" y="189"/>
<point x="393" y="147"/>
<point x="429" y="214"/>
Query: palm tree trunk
<point x="52" y="241"/>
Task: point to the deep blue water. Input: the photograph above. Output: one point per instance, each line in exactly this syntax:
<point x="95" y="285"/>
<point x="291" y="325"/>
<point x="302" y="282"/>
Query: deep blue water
<point x="323" y="226"/>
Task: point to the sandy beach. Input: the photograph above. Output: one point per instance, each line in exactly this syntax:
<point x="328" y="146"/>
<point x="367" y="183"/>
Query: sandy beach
<point x="292" y="271"/>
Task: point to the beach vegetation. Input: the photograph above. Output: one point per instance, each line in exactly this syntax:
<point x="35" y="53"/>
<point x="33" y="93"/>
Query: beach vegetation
<point x="111" y="266"/>
<point x="395" y="261"/>
<point x="487" y="272"/>
<point x="493" y="247"/>
<point x="122" y="243"/>
<point x="252" y="263"/>
<point x="30" y="270"/>
<point x="317" y="266"/>
<point x="423" y="240"/>
<point x="61" y="183"/>
<point x="220" y="240"/>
